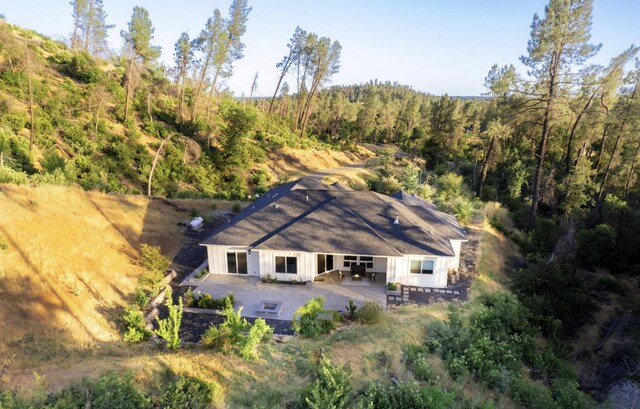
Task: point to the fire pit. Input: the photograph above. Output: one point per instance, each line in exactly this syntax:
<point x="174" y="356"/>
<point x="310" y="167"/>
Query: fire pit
<point x="269" y="308"/>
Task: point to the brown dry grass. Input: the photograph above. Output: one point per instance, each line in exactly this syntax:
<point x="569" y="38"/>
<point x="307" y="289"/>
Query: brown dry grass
<point x="71" y="264"/>
<point x="495" y="251"/>
<point x="289" y="163"/>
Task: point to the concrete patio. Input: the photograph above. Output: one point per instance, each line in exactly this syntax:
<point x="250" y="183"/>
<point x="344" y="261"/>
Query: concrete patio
<point x="250" y="292"/>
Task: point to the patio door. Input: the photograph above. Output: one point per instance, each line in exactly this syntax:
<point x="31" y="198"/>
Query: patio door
<point x="325" y="263"/>
<point x="237" y="262"/>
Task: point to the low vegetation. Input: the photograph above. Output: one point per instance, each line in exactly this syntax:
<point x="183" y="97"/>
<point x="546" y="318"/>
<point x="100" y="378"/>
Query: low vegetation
<point x="122" y="392"/>
<point x="312" y="320"/>
<point x="236" y="335"/>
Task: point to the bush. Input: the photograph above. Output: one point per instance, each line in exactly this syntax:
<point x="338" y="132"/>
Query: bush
<point x="206" y="301"/>
<point x="153" y="260"/>
<point x="407" y="395"/>
<point x="8" y="175"/>
<point x="416" y="360"/>
<point x="330" y="388"/>
<point x="237" y="207"/>
<point x="596" y="246"/>
<point x="370" y="313"/>
<point x="463" y="210"/>
<point x="169" y="328"/>
<point x="449" y="186"/>
<point x="310" y="319"/>
<point x="236" y="335"/>
<point x="136" y="326"/>
<point x="188" y="393"/>
<point x="112" y="391"/>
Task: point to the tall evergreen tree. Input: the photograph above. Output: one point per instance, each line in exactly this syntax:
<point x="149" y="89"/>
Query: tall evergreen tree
<point x="90" y="30"/>
<point x="558" y="41"/>
<point x="137" y="40"/>
<point x="183" y="58"/>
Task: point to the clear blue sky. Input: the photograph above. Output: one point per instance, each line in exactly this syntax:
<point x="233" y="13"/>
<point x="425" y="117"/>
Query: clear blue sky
<point x="436" y="46"/>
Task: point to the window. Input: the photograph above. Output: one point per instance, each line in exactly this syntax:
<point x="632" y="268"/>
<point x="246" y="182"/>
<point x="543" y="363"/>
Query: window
<point x="421" y="267"/>
<point x="237" y="262"/>
<point x="366" y="261"/>
<point x="286" y="265"/>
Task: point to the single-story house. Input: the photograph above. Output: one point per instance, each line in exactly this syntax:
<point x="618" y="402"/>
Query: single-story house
<point x="306" y="228"/>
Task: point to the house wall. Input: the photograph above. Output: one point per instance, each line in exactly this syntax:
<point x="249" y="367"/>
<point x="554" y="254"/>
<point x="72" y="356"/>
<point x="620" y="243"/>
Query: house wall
<point x="379" y="264"/>
<point x="453" y="263"/>
<point x="398" y="271"/>
<point x="262" y="262"/>
<point x="217" y="256"/>
<point x="306" y="265"/>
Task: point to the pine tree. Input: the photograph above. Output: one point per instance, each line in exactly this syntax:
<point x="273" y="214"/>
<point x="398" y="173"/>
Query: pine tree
<point x="558" y="42"/>
<point x="138" y="42"/>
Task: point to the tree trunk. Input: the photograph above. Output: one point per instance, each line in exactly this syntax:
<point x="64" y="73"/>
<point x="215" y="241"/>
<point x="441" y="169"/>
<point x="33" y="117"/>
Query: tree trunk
<point x="567" y="158"/>
<point x="485" y="167"/>
<point x="633" y="166"/>
<point x="127" y="100"/>
<point x="615" y="146"/>
<point x="149" y="106"/>
<point x="153" y="165"/>
<point x="285" y="68"/>
<point x="32" y="130"/>
<point x="212" y="90"/>
<point x="87" y="29"/>
<point x="182" y="99"/>
<point x="603" y="140"/>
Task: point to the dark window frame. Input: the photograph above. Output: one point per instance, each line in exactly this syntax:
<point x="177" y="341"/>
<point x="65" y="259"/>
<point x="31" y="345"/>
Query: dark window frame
<point x="422" y="269"/>
<point x="286" y="260"/>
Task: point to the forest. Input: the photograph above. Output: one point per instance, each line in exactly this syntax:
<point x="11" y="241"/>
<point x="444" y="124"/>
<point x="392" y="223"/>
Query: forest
<point x="557" y="146"/>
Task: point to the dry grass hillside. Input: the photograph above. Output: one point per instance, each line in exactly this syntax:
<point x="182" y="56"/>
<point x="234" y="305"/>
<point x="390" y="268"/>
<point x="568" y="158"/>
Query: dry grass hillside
<point x="71" y="262"/>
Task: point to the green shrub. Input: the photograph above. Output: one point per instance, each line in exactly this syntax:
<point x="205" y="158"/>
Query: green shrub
<point x="330" y="388"/>
<point x="351" y="310"/>
<point x="83" y="68"/>
<point x="153" y="260"/>
<point x="258" y="333"/>
<point x="463" y="210"/>
<point x="449" y="186"/>
<point x="169" y="328"/>
<point x="596" y="246"/>
<point x="136" y="326"/>
<point x="532" y="395"/>
<point x="416" y="359"/>
<point x="370" y="312"/>
<point x="17" y="120"/>
<point x="112" y="391"/>
<point x="386" y="185"/>
<point x="392" y="286"/>
<point x="407" y="395"/>
<point x="310" y="320"/>
<point x="206" y="301"/>
<point x="8" y="175"/>
<point x="552" y="291"/>
<point x="188" y="393"/>
<point x="236" y="335"/>
<point x="237" y="207"/>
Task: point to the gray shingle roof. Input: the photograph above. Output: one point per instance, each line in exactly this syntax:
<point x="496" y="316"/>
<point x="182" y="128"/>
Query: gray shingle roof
<point x="309" y="216"/>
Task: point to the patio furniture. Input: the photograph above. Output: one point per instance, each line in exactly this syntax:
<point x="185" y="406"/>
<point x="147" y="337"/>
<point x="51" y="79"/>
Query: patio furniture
<point x="358" y="271"/>
<point x="372" y="277"/>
